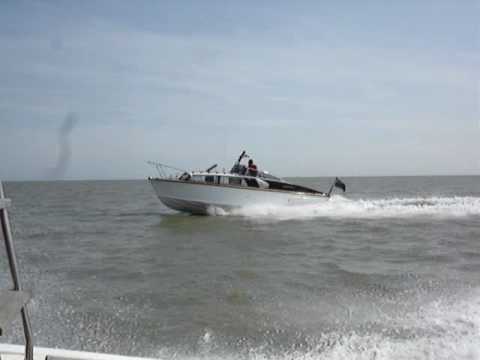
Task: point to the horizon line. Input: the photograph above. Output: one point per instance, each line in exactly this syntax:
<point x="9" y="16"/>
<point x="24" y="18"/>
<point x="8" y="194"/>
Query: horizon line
<point x="305" y="177"/>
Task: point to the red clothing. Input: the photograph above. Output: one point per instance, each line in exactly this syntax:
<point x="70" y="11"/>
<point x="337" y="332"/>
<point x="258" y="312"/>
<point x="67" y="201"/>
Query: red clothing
<point x="252" y="170"/>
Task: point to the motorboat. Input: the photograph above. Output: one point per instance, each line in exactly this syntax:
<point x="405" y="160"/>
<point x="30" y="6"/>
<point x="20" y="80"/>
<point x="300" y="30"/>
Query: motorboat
<point x="194" y="192"/>
<point x="209" y="192"/>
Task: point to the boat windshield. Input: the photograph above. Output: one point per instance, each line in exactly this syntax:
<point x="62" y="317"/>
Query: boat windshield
<point x="268" y="176"/>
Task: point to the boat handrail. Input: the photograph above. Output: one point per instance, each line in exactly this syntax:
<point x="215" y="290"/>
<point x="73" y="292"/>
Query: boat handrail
<point x="167" y="171"/>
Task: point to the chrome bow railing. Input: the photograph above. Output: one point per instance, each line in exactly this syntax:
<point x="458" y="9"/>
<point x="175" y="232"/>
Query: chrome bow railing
<point x="167" y="171"/>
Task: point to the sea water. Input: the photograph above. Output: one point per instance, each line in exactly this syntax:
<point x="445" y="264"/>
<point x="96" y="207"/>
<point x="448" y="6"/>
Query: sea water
<point x="388" y="270"/>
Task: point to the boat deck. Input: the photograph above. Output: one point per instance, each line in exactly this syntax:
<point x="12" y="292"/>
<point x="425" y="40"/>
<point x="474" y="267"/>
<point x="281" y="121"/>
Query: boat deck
<point x="16" y="352"/>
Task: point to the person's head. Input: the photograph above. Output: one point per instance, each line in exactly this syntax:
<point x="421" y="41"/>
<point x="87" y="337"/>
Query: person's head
<point x="250" y="162"/>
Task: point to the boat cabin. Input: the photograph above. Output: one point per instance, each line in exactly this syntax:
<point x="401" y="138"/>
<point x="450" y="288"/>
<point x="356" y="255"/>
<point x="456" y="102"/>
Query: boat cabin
<point x="262" y="182"/>
<point x="229" y="179"/>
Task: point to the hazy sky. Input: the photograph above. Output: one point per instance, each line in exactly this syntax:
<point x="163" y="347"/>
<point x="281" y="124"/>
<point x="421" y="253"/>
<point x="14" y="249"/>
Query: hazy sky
<point x="95" y="89"/>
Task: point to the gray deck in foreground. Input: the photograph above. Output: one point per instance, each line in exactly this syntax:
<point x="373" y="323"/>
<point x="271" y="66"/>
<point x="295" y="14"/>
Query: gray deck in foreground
<point x="11" y="302"/>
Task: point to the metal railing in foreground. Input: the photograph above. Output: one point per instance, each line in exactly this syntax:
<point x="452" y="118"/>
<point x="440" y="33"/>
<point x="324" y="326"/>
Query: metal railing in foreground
<point x="13" y="265"/>
<point x="9" y="351"/>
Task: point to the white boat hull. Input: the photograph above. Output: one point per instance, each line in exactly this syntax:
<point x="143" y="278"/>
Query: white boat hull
<point x="200" y="198"/>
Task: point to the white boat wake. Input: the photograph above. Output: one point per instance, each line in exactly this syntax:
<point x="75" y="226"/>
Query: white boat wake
<point x="437" y="330"/>
<point x="341" y="207"/>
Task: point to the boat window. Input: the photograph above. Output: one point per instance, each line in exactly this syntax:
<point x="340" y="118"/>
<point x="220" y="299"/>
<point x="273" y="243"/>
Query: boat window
<point x="251" y="182"/>
<point x="198" y="178"/>
<point x="235" y="181"/>
<point x="209" y="179"/>
<point x="277" y="185"/>
<point x="185" y="176"/>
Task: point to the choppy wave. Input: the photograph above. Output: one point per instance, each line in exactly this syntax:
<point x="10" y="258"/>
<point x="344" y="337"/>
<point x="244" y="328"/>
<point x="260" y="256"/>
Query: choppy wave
<point x="341" y="207"/>
<point x="440" y="330"/>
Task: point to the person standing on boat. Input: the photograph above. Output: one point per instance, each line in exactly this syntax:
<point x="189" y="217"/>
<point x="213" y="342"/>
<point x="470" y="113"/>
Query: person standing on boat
<point x="252" y="168"/>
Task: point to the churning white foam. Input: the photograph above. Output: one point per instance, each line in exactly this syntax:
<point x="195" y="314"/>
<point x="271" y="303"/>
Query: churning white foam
<point x="440" y="330"/>
<point x="340" y="207"/>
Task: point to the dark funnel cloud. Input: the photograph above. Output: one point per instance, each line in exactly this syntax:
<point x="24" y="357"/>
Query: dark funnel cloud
<point x="64" y="146"/>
